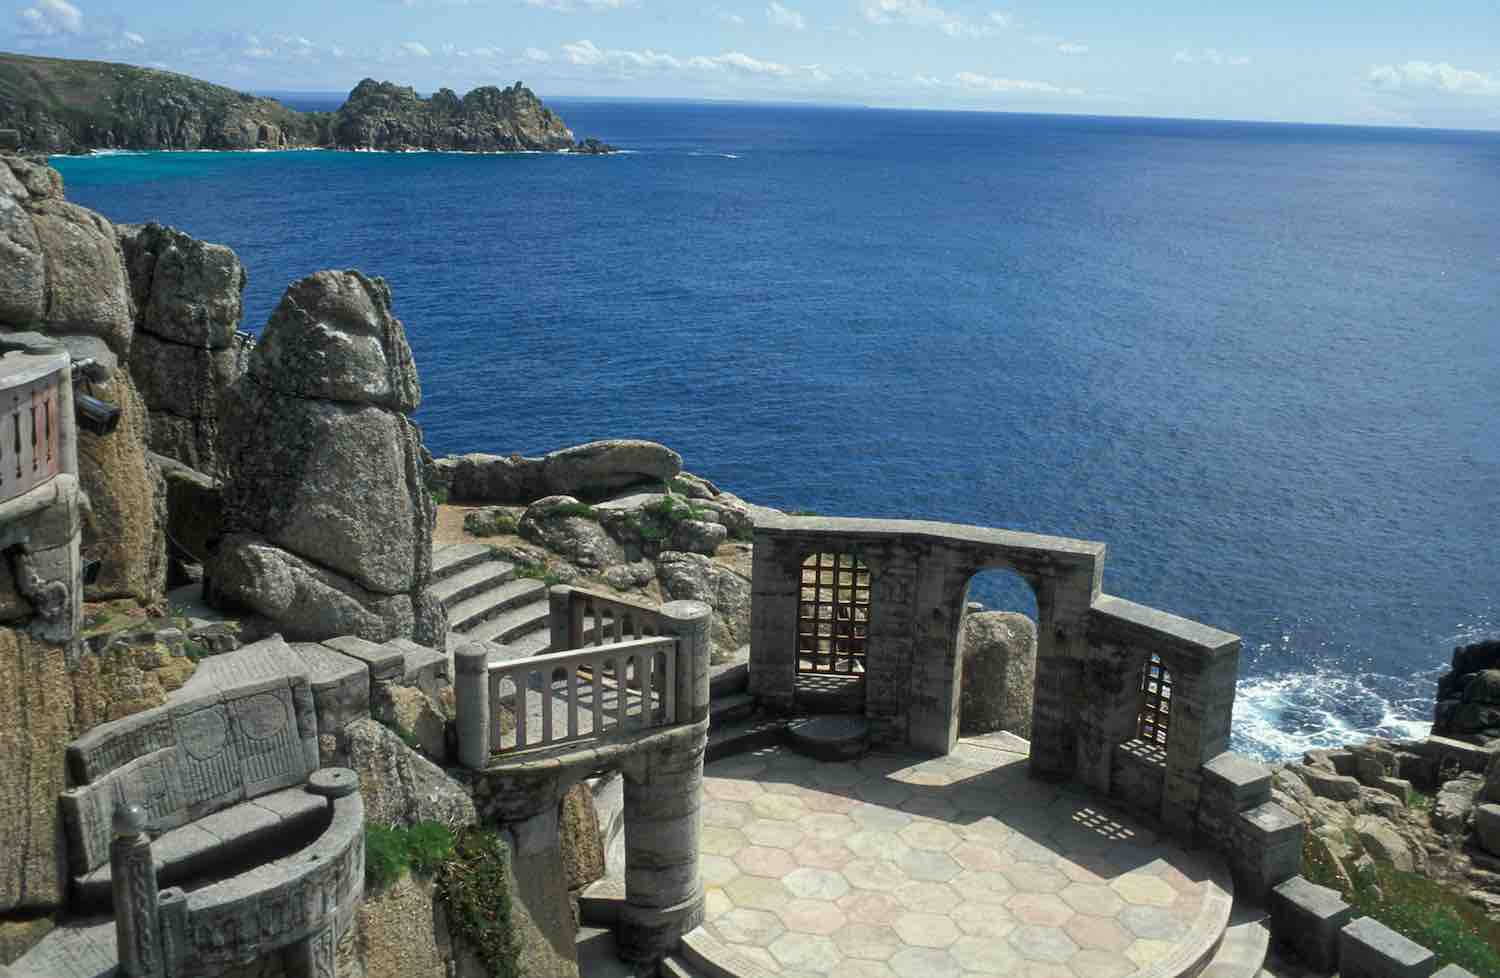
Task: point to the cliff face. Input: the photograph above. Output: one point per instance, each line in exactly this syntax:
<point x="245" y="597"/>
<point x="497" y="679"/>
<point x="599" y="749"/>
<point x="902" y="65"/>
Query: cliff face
<point x="63" y="106"/>
<point x="380" y="115"/>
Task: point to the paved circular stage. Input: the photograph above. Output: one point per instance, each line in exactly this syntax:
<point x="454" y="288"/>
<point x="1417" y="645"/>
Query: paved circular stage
<point x="942" y="867"/>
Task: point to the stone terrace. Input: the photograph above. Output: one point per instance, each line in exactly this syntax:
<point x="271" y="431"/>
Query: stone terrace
<point x="937" y="867"/>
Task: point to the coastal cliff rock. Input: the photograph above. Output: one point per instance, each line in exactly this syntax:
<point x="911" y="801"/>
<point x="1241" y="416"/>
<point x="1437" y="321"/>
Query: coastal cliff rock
<point x="998" y="649"/>
<point x="382" y="115"/>
<point x="587" y="471"/>
<point x="1468" y="697"/>
<point x="71" y="286"/>
<point x="327" y="520"/>
<point x="187" y="351"/>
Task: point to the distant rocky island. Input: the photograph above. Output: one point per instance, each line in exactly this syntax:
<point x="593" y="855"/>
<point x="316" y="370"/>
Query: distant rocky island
<point x="58" y="105"/>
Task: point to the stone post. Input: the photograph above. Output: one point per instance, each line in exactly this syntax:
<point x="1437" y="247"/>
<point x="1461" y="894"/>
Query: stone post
<point x="471" y="701"/>
<point x="687" y="621"/>
<point x="663" y="891"/>
<point x="137" y="903"/>
<point x="560" y="616"/>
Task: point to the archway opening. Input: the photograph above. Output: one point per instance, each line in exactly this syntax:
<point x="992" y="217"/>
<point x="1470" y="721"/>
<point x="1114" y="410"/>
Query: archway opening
<point x="1154" y="721"/>
<point x="833" y="630"/>
<point x="997" y="650"/>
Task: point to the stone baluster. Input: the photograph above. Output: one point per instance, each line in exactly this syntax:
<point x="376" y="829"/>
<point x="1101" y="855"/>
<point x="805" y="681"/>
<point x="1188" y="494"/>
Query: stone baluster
<point x="687" y="621"/>
<point x="136" y="900"/>
<point x="560" y="617"/>
<point x="471" y="694"/>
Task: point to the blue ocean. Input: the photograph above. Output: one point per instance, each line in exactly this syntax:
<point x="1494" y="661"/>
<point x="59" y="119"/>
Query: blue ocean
<point x="1261" y="362"/>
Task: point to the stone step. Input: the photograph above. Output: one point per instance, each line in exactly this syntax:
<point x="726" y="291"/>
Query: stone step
<point x="742" y="736"/>
<point x="728" y="709"/>
<point x="675" y="967"/>
<point x="710" y="959"/>
<point x="538" y="642"/>
<point x="470" y="612"/>
<point x="830" y="736"/>
<point x="470" y="581"/>
<point x="733" y="676"/>
<point x="1242" y="951"/>
<point x="507" y="627"/>
<point x="599" y="958"/>
<point x="456" y="557"/>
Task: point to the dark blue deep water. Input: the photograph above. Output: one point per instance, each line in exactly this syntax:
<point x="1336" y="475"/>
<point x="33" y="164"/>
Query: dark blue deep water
<point x="1261" y="362"/>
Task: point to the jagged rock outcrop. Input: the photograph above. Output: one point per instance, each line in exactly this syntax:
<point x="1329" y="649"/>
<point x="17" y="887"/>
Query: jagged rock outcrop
<point x="565" y="526"/>
<point x="382" y="115"/>
<point x="725" y="589"/>
<point x="61" y="106"/>
<point x="327" y="521"/>
<point x="187" y="351"/>
<point x="998" y="649"/>
<point x="69" y="284"/>
<point x="590" y="471"/>
<point x="1468" y="697"/>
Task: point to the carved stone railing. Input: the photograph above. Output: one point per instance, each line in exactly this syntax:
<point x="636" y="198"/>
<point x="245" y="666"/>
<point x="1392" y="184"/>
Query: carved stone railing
<point x="619" y="669"/>
<point x="34" y="425"/>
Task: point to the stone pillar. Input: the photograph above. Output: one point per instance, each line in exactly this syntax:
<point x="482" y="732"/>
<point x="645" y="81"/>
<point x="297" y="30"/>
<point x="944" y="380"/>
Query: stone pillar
<point x="774" y="579"/>
<point x="471" y="701"/>
<point x="136" y="901"/>
<point x="687" y="621"/>
<point x="663" y="891"/>
<point x="560" y="617"/>
<point x="1202" y="707"/>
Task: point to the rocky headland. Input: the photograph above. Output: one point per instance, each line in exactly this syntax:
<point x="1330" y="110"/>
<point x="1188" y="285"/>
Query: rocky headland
<point x="57" y="105"/>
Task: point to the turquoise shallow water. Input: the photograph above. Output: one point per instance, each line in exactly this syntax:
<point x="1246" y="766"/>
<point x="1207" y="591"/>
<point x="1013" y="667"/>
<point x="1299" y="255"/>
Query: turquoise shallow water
<point x="1261" y="362"/>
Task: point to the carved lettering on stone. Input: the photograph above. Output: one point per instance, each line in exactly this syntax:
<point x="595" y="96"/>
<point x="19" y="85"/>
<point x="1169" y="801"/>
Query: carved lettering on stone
<point x="271" y="750"/>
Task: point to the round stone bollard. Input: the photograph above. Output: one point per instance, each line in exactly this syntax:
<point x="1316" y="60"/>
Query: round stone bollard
<point x="136" y="900"/>
<point x="687" y="621"/>
<point x="471" y="703"/>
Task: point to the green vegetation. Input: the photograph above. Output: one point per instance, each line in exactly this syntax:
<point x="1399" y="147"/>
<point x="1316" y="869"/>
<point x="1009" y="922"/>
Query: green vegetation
<point x="1419" y="909"/>
<point x="423" y="848"/>
<point x="803" y="512"/>
<point x="677" y="486"/>
<point x="744" y="534"/>
<point x="582" y="510"/>
<point x="439" y="494"/>
<point x="475" y="883"/>
<point x="196" y="651"/>
<point x="539" y="572"/>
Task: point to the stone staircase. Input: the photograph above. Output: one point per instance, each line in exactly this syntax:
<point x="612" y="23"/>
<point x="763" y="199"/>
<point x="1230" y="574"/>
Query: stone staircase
<point x="487" y="602"/>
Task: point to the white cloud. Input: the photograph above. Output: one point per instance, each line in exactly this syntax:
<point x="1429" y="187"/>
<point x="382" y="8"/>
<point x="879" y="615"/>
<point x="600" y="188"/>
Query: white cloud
<point x="922" y="13"/>
<point x="536" y="56"/>
<point x="785" y="17"/>
<point x="626" y="62"/>
<point x="730" y="18"/>
<point x="49" y="17"/>
<point x="1209" y="56"/>
<point x="1071" y="47"/>
<point x="416" y="49"/>
<point x="584" y="52"/>
<point x="987" y="83"/>
<point x="569" y="6"/>
<point x="1440" y="77"/>
<point x="133" y="38"/>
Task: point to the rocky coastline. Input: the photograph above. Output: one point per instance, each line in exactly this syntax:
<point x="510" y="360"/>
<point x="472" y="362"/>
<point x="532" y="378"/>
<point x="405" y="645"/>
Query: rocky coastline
<point x="60" y="106"/>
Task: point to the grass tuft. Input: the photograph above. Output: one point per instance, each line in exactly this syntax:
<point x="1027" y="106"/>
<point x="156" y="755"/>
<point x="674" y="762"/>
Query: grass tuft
<point x="475" y="883"/>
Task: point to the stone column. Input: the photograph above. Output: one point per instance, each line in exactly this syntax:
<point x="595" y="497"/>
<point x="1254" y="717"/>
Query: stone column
<point x="560" y="616"/>
<point x="663" y="891"/>
<point x="137" y="903"/>
<point x="687" y="621"/>
<point x="471" y="701"/>
<point x="774" y="581"/>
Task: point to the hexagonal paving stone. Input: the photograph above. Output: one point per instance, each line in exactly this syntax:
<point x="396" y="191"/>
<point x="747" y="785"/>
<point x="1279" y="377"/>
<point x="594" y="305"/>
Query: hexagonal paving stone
<point x="805" y="951"/>
<point x="787" y="808"/>
<point x="1098" y="900"/>
<point x="760" y="956"/>
<point x="873" y="874"/>
<point x="869" y="844"/>
<point x="730" y="814"/>
<point x="731" y="789"/>
<point x="1036" y="943"/>
<point x="776" y="835"/>
<point x="827" y="825"/>
<point x="1035" y="878"/>
<point x="760" y="861"/>
<point x="716" y="870"/>
<point x="1092" y="963"/>
<point x="1147" y="952"/>
<point x="926" y="929"/>
<point x="987" y="831"/>
<point x="874" y="942"/>
<point x="1154" y="923"/>
<point x="716" y="902"/>
<point x="817" y="800"/>
<point x="923" y="864"/>
<point x="929" y="806"/>
<point x="867" y="907"/>
<point x="881" y="765"/>
<point x="972" y="855"/>
<point x="814" y="883"/>
<point x="927" y="897"/>
<point x="1101" y="933"/>
<point x="849" y="968"/>
<point x="822" y="853"/>
<point x="1047" y="969"/>
<point x="1143" y="890"/>
<point x="1039" y="909"/>
<point x="989" y="920"/>
<point x="837" y="775"/>
<point x="925" y="962"/>
<point x="811" y="916"/>
<point x="987" y="956"/>
<point x="718" y="840"/>
<point x="1081" y="873"/>
<point x="878" y="818"/>
<point x="927" y="835"/>
<point x="879" y="791"/>
<point x="981" y="886"/>
<point x="739" y="766"/>
<point x="1023" y="848"/>
<point x="757" y="892"/>
<point x="745" y="926"/>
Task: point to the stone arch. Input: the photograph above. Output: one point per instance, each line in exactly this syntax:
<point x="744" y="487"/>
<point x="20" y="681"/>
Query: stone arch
<point x="996" y="657"/>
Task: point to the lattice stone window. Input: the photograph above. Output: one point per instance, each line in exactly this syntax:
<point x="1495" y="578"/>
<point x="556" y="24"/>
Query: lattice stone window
<point x="1156" y="702"/>
<point x="833" y="614"/>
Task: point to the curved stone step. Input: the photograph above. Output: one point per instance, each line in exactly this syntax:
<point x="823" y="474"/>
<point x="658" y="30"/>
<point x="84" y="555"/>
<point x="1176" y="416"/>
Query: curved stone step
<point x="538" y="642"/>
<point x="473" y="580"/>
<point x="456" y="557"/>
<point x="1242" y="952"/>
<point x="470" y="612"/>
<point x="829" y="736"/>
<point x="509" y="626"/>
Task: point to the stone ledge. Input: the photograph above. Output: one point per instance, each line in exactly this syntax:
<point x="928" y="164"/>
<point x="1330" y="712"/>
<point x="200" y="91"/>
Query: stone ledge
<point x="1369" y="949"/>
<point x="1308" y="918"/>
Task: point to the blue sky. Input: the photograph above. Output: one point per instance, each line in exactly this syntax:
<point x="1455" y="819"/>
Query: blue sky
<point x="1368" y="62"/>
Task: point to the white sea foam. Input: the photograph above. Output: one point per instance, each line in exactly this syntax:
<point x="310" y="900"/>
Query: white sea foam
<point x="1280" y="717"/>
